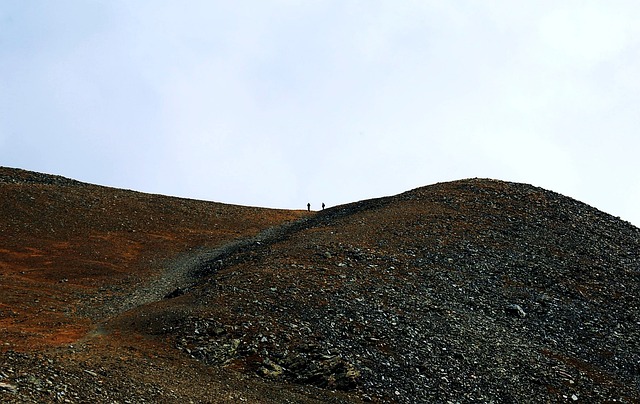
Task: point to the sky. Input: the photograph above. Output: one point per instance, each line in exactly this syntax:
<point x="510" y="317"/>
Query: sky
<point x="276" y="103"/>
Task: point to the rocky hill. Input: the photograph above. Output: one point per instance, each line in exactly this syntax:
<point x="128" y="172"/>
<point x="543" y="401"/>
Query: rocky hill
<point x="473" y="290"/>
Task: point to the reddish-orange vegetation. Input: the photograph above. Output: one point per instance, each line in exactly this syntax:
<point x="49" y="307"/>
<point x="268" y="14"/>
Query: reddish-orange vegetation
<point x="65" y="245"/>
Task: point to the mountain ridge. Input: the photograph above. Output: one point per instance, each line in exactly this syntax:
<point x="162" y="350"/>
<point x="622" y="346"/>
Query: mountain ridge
<point x="471" y="290"/>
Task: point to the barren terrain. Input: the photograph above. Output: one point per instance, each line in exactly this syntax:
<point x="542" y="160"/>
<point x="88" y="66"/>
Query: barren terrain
<point x="473" y="290"/>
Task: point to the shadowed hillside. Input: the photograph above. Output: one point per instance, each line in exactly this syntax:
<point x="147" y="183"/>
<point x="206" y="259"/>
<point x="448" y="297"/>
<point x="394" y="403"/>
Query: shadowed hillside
<point x="474" y="290"/>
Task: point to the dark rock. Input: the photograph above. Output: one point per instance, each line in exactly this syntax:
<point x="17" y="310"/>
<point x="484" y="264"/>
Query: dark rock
<point x="175" y="293"/>
<point x="516" y="310"/>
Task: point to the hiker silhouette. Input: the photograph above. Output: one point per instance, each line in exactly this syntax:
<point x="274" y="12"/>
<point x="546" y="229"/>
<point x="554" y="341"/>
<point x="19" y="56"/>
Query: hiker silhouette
<point x="309" y="207"/>
<point x="322" y="205"/>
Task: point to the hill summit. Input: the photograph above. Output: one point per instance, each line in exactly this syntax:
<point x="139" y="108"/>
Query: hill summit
<point x="472" y="290"/>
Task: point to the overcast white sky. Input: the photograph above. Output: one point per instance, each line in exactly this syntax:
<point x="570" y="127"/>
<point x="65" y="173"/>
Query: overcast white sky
<point x="280" y="103"/>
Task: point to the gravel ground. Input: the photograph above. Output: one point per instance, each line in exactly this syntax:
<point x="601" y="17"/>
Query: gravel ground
<point x="474" y="290"/>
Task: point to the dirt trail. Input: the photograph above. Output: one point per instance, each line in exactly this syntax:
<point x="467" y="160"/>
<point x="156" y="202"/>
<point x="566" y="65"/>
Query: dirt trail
<point x="188" y="268"/>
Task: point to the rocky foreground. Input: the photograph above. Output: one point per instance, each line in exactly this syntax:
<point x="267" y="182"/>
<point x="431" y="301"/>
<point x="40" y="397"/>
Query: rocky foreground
<point x="474" y="290"/>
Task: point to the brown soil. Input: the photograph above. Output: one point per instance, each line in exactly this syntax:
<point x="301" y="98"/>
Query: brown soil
<point x="475" y="290"/>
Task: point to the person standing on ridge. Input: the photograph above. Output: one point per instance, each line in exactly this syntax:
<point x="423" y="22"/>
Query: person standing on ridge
<point x="322" y="205"/>
<point x="309" y="207"/>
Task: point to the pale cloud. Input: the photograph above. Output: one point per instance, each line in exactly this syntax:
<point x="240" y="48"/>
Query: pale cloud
<point x="281" y="103"/>
<point x="585" y="34"/>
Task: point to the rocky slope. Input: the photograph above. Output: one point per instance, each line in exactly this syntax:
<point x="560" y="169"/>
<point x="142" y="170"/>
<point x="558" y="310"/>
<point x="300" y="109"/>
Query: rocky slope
<point x="474" y="290"/>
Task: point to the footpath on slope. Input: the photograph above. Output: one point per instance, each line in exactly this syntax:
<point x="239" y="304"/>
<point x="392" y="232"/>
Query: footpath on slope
<point x="187" y="269"/>
<point x="190" y="267"/>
